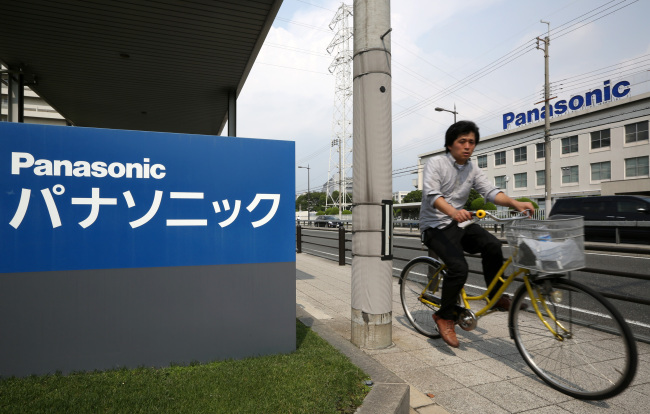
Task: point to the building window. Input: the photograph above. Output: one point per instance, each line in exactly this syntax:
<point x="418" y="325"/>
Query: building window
<point x="570" y="174"/>
<point x="570" y="144"/>
<point x="600" y="139"/>
<point x="636" y="132"/>
<point x="636" y="167"/>
<point x="500" y="158"/>
<point x="520" y="154"/>
<point x="482" y="161"/>
<point x="540" y="177"/>
<point x="601" y="171"/>
<point x="500" y="181"/>
<point x="541" y="151"/>
<point x="521" y="180"/>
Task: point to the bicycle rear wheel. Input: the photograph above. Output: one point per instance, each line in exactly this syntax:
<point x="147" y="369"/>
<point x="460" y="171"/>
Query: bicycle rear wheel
<point x="420" y="290"/>
<point x="595" y="356"/>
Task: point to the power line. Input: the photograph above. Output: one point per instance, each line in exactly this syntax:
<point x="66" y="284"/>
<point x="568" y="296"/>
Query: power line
<point x="566" y="33"/>
<point x="293" y="68"/>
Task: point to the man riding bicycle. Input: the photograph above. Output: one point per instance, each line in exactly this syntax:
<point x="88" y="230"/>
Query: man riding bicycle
<point x="448" y="180"/>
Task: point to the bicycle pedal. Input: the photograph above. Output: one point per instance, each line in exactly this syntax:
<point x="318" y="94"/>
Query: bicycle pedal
<point x="431" y="297"/>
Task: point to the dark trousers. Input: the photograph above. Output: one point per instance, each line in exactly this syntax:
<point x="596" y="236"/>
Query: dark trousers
<point x="449" y="243"/>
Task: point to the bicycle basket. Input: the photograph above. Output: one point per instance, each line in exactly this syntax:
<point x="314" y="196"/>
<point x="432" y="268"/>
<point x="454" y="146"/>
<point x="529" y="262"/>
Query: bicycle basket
<point x="554" y="245"/>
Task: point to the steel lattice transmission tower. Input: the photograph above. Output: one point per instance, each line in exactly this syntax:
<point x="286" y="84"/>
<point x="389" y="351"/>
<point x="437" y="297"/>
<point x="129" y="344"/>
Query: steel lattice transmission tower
<point x="341" y="149"/>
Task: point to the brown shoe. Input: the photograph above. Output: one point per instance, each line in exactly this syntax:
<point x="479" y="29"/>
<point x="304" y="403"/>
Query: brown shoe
<point x="446" y="330"/>
<point x="504" y="303"/>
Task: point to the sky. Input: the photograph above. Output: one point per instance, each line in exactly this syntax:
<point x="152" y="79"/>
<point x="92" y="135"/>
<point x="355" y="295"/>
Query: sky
<point x="479" y="55"/>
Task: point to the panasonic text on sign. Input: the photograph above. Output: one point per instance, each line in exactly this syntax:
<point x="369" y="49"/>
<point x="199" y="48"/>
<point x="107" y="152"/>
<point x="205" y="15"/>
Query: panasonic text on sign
<point x="82" y="198"/>
<point x="596" y="96"/>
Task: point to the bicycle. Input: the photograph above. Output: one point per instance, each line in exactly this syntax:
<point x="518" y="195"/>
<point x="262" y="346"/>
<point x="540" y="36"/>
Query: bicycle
<point x="568" y="334"/>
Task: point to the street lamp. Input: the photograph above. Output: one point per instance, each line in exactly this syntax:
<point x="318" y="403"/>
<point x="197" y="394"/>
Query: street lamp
<point x="447" y="110"/>
<point x="308" y="195"/>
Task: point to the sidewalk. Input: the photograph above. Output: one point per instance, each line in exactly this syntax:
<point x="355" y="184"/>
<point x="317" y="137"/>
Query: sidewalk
<point x="485" y="375"/>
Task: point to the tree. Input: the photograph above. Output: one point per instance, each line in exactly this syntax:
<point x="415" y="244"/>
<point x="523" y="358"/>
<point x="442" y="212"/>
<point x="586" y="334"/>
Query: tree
<point x="317" y="201"/>
<point x="414" y="196"/>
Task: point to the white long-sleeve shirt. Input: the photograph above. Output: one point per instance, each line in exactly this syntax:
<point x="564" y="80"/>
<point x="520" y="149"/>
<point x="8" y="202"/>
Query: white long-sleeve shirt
<point x="442" y="177"/>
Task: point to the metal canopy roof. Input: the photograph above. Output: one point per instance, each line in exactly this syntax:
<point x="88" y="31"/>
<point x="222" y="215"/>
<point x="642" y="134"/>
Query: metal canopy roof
<point x="164" y="65"/>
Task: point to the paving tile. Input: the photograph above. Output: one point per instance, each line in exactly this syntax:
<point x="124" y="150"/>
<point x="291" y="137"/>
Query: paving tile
<point x="432" y="409"/>
<point x="430" y="380"/>
<point x="539" y="388"/>
<point x="550" y="409"/>
<point x="468" y="374"/>
<point x="642" y="388"/>
<point x="398" y="361"/>
<point x="629" y="400"/>
<point x="465" y="401"/>
<point x="408" y="342"/>
<point x="389" y="350"/>
<point x="503" y="368"/>
<point x="437" y="357"/>
<point x="498" y="346"/>
<point x="593" y="407"/>
<point x="419" y="399"/>
<point x="510" y="397"/>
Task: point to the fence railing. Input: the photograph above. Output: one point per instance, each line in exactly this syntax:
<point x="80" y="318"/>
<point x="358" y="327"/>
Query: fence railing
<point x="340" y="235"/>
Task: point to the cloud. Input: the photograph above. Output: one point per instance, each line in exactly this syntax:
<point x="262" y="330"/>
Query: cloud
<point x="435" y="44"/>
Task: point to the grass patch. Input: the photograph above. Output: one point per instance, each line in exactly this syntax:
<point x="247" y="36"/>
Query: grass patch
<point x="316" y="378"/>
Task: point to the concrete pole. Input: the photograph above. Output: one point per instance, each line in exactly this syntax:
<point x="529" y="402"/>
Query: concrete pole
<point x="372" y="280"/>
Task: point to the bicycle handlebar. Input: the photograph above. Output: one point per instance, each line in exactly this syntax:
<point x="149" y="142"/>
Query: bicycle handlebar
<point x="481" y="214"/>
<point x="519" y="215"/>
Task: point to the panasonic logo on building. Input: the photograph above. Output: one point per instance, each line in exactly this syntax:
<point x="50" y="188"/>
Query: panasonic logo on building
<point x="595" y="96"/>
<point x="99" y="169"/>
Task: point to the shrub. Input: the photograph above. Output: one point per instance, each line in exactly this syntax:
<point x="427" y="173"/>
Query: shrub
<point x="477" y="204"/>
<point x="332" y="211"/>
<point x="529" y="200"/>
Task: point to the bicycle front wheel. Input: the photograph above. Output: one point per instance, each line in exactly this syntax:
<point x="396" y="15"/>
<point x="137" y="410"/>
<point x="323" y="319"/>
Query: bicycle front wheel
<point x="420" y="290"/>
<point x="587" y="350"/>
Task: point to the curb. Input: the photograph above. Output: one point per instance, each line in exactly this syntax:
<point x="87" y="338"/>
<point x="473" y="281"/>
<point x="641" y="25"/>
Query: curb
<point x="389" y="394"/>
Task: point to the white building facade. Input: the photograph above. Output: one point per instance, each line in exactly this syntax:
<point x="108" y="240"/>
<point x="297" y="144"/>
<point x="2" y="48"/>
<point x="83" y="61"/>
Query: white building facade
<point x="596" y="149"/>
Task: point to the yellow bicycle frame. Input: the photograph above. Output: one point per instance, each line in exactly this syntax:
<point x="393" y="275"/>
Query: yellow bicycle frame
<point x="534" y="294"/>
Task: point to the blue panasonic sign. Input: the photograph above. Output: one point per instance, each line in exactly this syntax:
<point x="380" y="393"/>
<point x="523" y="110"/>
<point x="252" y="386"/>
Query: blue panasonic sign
<point x="81" y="198"/>
<point x="596" y="96"/>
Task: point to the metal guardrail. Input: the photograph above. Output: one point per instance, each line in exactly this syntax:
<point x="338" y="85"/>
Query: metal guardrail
<point x="341" y="233"/>
<point x="497" y="227"/>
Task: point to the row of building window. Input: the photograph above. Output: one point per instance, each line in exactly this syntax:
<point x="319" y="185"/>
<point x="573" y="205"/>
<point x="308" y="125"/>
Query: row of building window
<point x="634" y="167"/>
<point x="599" y="139"/>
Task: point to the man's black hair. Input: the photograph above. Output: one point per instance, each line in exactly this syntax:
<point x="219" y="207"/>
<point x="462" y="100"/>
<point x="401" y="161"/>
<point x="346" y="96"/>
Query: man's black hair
<point x="458" y="129"/>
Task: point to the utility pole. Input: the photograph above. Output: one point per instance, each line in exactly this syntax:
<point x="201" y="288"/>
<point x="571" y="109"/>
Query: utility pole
<point x="547" y="122"/>
<point x="372" y="267"/>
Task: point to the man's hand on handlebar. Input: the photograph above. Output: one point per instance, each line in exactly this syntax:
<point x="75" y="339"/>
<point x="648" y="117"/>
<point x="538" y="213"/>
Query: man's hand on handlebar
<point x="461" y="215"/>
<point x="525" y="207"/>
